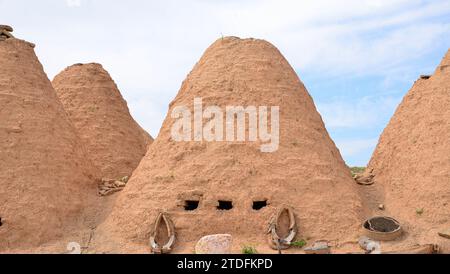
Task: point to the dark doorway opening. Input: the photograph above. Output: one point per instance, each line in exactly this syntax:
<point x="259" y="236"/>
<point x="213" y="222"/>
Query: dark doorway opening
<point x="225" y="205"/>
<point x="191" y="205"/>
<point x="258" y="205"/>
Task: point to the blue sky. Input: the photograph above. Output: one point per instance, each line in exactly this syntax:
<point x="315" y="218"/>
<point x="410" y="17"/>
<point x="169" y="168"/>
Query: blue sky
<point x="358" y="58"/>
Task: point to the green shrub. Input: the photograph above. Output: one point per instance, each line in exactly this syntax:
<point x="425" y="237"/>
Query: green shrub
<point x="299" y="244"/>
<point x="249" y="250"/>
<point x="357" y="170"/>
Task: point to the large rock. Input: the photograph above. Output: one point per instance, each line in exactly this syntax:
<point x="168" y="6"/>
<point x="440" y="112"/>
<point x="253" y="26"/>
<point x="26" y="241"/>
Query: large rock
<point x="214" y="244"/>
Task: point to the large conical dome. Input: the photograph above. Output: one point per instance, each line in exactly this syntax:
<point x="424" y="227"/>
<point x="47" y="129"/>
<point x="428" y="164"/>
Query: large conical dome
<point x="412" y="160"/>
<point x="306" y="173"/>
<point x="45" y="177"/>
<point x="115" y="142"/>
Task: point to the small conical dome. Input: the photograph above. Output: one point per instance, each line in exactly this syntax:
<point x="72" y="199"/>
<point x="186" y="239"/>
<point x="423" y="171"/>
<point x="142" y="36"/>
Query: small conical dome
<point x="45" y="176"/>
<point x="115" y="142"/>
<point x="227" y="179"/>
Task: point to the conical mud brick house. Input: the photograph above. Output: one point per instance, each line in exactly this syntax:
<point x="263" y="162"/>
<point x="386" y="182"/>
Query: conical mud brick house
<point x="115" y="142"/>
<point x="213" y="185"/>
<point x="45" y="176"/>
<point x="412" y="160"/>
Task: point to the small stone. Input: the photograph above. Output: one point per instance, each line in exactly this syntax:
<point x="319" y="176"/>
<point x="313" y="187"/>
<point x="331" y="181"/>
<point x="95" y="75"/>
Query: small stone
<point x="363" y="241"/>
<point x="445" y="234"/>
<point x="119" y="184"/>
<point x="319" y="248"/>
<point x="420" y="211"/>
<point x="365" y="180"/>
<point x="7" y="28"/>
<point x="381" y="207"/>
<point x="369" y="246"/>
<point x="6" y="34"/>
<point x="214" y="244"/>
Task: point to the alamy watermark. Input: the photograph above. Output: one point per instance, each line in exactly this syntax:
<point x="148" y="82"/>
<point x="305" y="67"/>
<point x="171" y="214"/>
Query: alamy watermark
<point x="214" y="124"/>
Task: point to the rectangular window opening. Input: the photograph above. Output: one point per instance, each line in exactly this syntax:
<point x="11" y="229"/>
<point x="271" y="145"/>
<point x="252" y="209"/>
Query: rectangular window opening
<point x="191" y="205"/>
<point x="258" y="205"/>
<point x="225" y="205"/>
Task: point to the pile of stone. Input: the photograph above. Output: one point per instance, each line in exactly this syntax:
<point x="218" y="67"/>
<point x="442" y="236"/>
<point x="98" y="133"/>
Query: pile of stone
<point x="109" y="187"/>
<point x="366" y="179"/>
<point x="5" y="32"/>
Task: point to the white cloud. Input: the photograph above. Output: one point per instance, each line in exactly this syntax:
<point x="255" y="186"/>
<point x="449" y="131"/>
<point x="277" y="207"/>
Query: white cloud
<point x="150" y="46"/>
<point x="353" y="36"/>
<point x="350" y="148"/>
<point x="73" y="3"/>
<point x="363" y="113"/>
